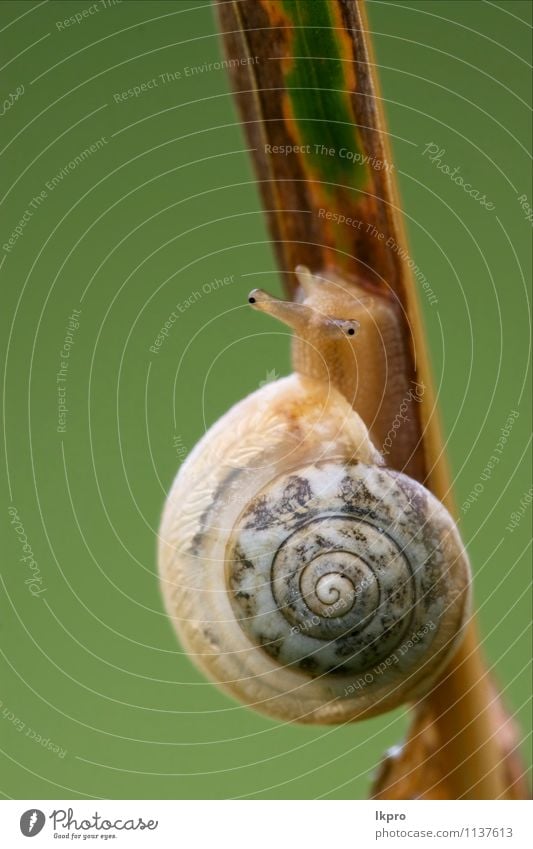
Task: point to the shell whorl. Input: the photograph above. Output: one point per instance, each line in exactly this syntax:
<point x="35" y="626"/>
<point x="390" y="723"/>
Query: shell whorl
<point x="337" y="569"/>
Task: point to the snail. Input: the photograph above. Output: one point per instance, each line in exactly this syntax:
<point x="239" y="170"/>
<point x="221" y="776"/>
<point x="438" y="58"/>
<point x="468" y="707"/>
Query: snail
<point x="304" y="576"/>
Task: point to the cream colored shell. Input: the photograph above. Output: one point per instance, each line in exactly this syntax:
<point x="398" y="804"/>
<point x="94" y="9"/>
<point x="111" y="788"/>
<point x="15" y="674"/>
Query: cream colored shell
<point x="302" y="576"/>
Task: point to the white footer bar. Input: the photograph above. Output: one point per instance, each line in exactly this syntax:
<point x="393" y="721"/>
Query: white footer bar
<point x="266" y="824"/>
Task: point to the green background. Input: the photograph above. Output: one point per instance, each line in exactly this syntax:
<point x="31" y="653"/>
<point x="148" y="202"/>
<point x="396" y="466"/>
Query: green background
<point x="167" y="205"/>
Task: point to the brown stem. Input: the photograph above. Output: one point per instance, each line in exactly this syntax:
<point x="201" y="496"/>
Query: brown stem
<point x="296" y="194"/>
<point x="468" y="740"/>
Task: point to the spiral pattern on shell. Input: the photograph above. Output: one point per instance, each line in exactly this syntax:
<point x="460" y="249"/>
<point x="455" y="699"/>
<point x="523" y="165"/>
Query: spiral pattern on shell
<point x="337" y="569"/>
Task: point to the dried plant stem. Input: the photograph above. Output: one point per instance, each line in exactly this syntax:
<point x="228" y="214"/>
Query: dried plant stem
<point x="469" y="750"/>
<point x="474" y="751"/>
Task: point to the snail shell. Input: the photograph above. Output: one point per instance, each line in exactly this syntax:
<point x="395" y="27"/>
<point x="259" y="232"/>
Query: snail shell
<point x="302" y="576"/>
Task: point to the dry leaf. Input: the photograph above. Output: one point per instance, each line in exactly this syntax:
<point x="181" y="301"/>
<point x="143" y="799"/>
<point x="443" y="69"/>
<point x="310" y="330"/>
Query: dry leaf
<point x="304" y="78"/>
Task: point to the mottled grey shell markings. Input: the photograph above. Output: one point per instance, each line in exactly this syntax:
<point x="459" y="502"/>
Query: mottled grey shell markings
<point x="330" y="568"/>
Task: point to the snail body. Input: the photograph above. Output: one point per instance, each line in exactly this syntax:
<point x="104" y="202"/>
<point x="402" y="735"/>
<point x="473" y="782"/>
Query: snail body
<point x="302" y="575"/>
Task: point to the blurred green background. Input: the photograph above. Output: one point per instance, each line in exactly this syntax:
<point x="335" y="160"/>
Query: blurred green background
<point x="163" y="206"/>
